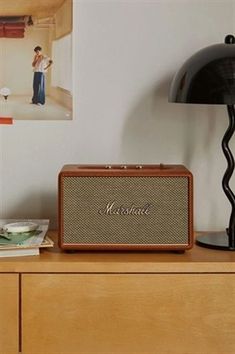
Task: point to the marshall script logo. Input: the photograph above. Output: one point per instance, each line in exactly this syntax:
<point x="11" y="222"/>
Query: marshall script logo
<point x="112" y="209"/>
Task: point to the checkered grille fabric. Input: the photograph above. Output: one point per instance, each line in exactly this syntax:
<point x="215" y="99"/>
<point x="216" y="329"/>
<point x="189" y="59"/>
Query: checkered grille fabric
<point x="166" y="222"/>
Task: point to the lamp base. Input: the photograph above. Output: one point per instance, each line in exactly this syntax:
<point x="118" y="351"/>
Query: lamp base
<point x="215" y="240"/>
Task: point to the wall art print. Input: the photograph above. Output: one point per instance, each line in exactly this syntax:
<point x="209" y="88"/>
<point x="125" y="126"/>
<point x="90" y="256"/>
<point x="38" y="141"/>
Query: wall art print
<point x="36" y="59"/>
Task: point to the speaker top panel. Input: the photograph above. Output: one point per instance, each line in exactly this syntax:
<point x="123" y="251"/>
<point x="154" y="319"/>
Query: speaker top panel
<point x="125" y="170"/>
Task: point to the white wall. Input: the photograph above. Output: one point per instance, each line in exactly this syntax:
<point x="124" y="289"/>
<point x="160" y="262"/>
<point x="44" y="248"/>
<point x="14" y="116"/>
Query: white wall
<point x="126" y="53"/>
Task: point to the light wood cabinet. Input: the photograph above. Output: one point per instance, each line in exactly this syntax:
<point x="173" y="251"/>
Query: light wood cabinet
<point x="118" y="303"/>
<point x="9" y="313"/>
<point x="128" y="313"/>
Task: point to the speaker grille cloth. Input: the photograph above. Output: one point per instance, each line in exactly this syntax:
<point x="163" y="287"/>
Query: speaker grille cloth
<point x="166" y="223"/>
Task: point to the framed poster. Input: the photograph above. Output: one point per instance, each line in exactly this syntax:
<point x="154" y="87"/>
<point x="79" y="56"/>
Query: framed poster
<point x="36" y="59"/>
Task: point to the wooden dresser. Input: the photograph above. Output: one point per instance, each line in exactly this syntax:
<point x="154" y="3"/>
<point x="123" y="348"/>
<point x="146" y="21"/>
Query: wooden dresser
<point x="118" y="303"/>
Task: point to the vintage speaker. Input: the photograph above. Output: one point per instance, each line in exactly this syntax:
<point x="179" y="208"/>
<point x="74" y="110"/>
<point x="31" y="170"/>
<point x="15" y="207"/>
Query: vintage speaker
<point x="147" y="207"/>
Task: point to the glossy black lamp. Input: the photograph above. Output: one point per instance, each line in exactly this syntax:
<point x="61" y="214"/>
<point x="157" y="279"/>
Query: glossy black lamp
<point x="208" y="77"/>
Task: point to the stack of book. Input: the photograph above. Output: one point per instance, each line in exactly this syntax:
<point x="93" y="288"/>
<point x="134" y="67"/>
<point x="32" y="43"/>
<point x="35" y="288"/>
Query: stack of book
<point x="25" y="243"/>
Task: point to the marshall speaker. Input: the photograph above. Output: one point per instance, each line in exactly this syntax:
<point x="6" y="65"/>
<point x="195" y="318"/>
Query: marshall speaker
<point x="147" y="207"/>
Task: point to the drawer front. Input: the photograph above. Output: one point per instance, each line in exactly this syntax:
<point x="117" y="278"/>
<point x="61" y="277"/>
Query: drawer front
<point x="9" y="314"/>
<point x="128" y="314"/>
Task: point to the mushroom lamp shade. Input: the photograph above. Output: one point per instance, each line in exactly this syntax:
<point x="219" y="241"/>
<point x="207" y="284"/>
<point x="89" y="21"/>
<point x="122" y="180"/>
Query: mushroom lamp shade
<point x="208" y="77"/>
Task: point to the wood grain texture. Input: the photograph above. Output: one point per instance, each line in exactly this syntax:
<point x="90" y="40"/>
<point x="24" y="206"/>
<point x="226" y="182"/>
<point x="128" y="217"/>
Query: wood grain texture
<point x="9" y="313"/>
<point x="129" y="314"/>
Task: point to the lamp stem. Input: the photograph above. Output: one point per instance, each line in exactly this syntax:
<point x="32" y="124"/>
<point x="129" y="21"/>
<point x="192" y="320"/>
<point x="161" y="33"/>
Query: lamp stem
<point x="228" y="173"/>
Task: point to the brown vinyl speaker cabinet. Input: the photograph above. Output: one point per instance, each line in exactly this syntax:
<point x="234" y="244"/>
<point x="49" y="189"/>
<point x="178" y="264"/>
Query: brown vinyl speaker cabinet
<point x="147" y="207"/>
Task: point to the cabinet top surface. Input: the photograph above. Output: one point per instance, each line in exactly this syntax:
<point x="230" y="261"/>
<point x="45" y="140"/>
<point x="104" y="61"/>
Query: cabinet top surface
<point x="196" y="260"/>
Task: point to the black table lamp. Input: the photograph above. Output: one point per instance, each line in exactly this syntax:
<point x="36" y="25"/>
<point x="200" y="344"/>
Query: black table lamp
<point x="208" y="77"/>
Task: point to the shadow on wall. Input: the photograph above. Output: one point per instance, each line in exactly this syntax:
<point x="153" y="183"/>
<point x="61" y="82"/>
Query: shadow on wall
<point x="39" y="206"/>
<point x="157" y="131"/>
